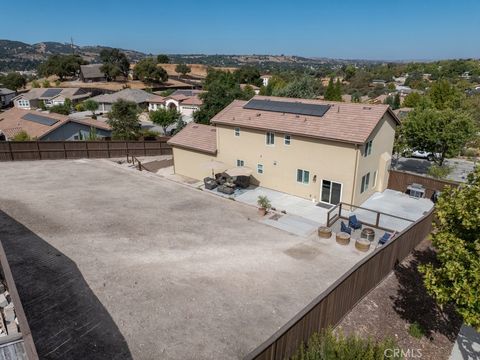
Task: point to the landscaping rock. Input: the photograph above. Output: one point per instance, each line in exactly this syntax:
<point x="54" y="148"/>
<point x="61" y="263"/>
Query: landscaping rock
<point x="9" y="312"/>
<point x="3" y="300"/>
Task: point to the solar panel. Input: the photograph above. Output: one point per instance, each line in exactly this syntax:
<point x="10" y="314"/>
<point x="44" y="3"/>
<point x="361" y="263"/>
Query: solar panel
<point x="287" y="107"/>
<point x="51" y="93"/>
<point x="39" y="119"/>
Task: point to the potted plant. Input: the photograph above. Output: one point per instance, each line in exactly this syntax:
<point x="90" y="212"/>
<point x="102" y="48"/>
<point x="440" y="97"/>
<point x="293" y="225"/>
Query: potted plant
<point x="263" y="205"/>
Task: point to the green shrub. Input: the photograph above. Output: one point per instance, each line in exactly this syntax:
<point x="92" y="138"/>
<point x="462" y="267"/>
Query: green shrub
<point x="328" y="346"/>
<point x="46" y="83"/>
<point x="80" y="107"/>
<point x="22" y="136"/>
<point x="439" y="172"/>
<point x="35" y="84"/>
<point x="416" y="330"/>
<point x="264" y="202"/>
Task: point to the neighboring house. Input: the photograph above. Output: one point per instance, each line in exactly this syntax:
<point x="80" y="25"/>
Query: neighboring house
<point x="6" y="97"/>
<point x="402" y="112"/>
<point x="403" y="90"/>
<point x="319" y="150"/>
<point x="184" y="101"/>
<point x="50" y="97"/>
<point x="256" y="89"/>
<point x="377" y="82"/>
<point x="92" y="73"/>
<point x="265" y="79"/>
<point x="138" y="96"/>
<point x="49" y="126"/>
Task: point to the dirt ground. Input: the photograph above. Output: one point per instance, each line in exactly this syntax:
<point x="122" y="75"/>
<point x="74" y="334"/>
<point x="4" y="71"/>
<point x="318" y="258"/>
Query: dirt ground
<point x="400" y="300"/>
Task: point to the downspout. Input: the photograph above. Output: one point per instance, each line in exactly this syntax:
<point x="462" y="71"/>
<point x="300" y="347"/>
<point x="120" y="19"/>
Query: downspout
<point x="355" y="174"/>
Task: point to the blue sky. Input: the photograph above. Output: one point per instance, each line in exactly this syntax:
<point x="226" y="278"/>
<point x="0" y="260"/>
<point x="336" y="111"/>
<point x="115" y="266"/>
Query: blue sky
<point x="387" y="29"/>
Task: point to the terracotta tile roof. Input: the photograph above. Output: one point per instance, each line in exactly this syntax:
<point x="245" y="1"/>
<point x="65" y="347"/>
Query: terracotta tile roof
<point x="198" y="137"/>
<point x="12" y="122"/>
<point x="346" y="122"/>
<point x="156" y="99"/>
<point x="13" y="119"/>
<point x="194" y="100"/>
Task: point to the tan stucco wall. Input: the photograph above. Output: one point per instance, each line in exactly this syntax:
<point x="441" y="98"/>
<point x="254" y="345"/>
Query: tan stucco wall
<point x="379" y="160"/>
<point x="324" y="159"/>
<point x="191" y="164"/>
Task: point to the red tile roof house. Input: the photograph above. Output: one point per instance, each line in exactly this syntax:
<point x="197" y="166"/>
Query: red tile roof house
<point x="328" y="152"/>
<point x="184" y="101"/>
<point x="48" y="126"/>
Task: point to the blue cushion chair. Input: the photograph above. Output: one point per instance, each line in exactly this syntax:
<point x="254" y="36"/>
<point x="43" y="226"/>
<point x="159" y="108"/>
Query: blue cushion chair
<point x="354" y="223"/>
<point x="384" y="238"/>
<point x="344" y="228"/>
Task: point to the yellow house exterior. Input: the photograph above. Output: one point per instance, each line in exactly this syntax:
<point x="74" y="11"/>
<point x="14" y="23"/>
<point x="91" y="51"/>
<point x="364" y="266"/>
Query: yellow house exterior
<point x="320" y="169"/>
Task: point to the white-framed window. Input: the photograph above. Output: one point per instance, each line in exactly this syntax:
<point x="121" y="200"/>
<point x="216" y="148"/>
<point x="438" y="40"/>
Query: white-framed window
<point x="368" y="148"/>
<point x="365" y="182"/>
<point x="270" y="138"/>
<point x="23" y="103"/>
<point x="303" y="176"/>
<point x="374" y="179"/>
<point x="236" y="131"/>
<point x="259" y="168"/>
<point x="240" y="163"/>
<point x="287" y="139"/>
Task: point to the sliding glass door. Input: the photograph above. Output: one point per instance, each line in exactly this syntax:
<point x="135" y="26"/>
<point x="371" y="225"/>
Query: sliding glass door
<point x="331" y="192"/>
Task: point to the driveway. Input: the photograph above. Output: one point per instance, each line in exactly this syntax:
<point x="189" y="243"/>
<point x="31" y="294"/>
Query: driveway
<point x="112" y="263"/>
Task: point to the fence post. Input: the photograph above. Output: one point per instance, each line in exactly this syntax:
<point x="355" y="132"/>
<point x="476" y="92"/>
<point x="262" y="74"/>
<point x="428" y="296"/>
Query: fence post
<point x="38" y="150"/>
<point x="108" y="149"/>
<point x="11" y="151"/>
<point x="86" y="146"/>
<point x="144" y="148"/>
<point x="378" y="220"/>
<point x="64" y="150"/>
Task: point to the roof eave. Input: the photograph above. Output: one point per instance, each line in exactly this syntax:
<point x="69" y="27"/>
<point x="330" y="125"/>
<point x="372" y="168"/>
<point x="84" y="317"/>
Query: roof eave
<point x="186" y="147"/>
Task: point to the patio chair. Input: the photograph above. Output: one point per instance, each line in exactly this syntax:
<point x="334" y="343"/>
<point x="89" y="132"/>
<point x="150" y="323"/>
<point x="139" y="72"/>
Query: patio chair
<point x="354" y="223"/>
<point x="209" y="183"/>
<point x="225" y="189"/>
<point x="344" y="228"/>
<point x="222" y="178"/>
<point x="387" y="236"/>
<point x="242" y="181"/>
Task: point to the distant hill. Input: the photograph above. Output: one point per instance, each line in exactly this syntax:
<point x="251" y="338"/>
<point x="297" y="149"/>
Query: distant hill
<point x="17" y="55"/>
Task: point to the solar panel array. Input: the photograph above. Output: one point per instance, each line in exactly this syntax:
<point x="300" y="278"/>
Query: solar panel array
<point x="51" y="93"/>
<point x="287" y="107"/>
<point x="39" y="119"/>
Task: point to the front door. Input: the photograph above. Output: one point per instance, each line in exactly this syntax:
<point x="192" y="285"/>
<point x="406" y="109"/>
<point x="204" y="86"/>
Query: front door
<point x="331" y="192"/>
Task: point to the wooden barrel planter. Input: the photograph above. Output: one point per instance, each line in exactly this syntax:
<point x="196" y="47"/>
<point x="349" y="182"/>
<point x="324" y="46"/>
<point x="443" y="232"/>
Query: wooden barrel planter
<point x="362" y="245"/>
<point x="324" y="232"/>
<point x="343" y="238"/>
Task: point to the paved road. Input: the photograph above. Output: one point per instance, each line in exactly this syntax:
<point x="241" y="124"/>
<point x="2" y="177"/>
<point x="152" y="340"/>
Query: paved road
<point x="460" y="168"/>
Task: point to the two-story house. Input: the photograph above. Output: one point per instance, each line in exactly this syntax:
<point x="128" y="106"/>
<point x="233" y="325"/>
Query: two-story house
<point x="324" y="151"/>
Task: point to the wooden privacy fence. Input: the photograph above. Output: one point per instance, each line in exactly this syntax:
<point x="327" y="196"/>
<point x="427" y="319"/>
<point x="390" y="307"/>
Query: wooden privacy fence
<point x="54" y="150"/>
<point x="400" y="180"/>
<point x="333" y="304"/>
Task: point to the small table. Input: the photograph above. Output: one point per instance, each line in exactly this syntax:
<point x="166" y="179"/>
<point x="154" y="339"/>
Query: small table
<point x="324" y="232"/>
<point x="362" y="245"/>
<point x="368" y="234"/>
<point x="343" y="238"/>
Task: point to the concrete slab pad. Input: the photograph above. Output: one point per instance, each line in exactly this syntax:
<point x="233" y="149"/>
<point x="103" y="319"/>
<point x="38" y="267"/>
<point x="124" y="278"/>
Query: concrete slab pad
<point x="112" y="263"/>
